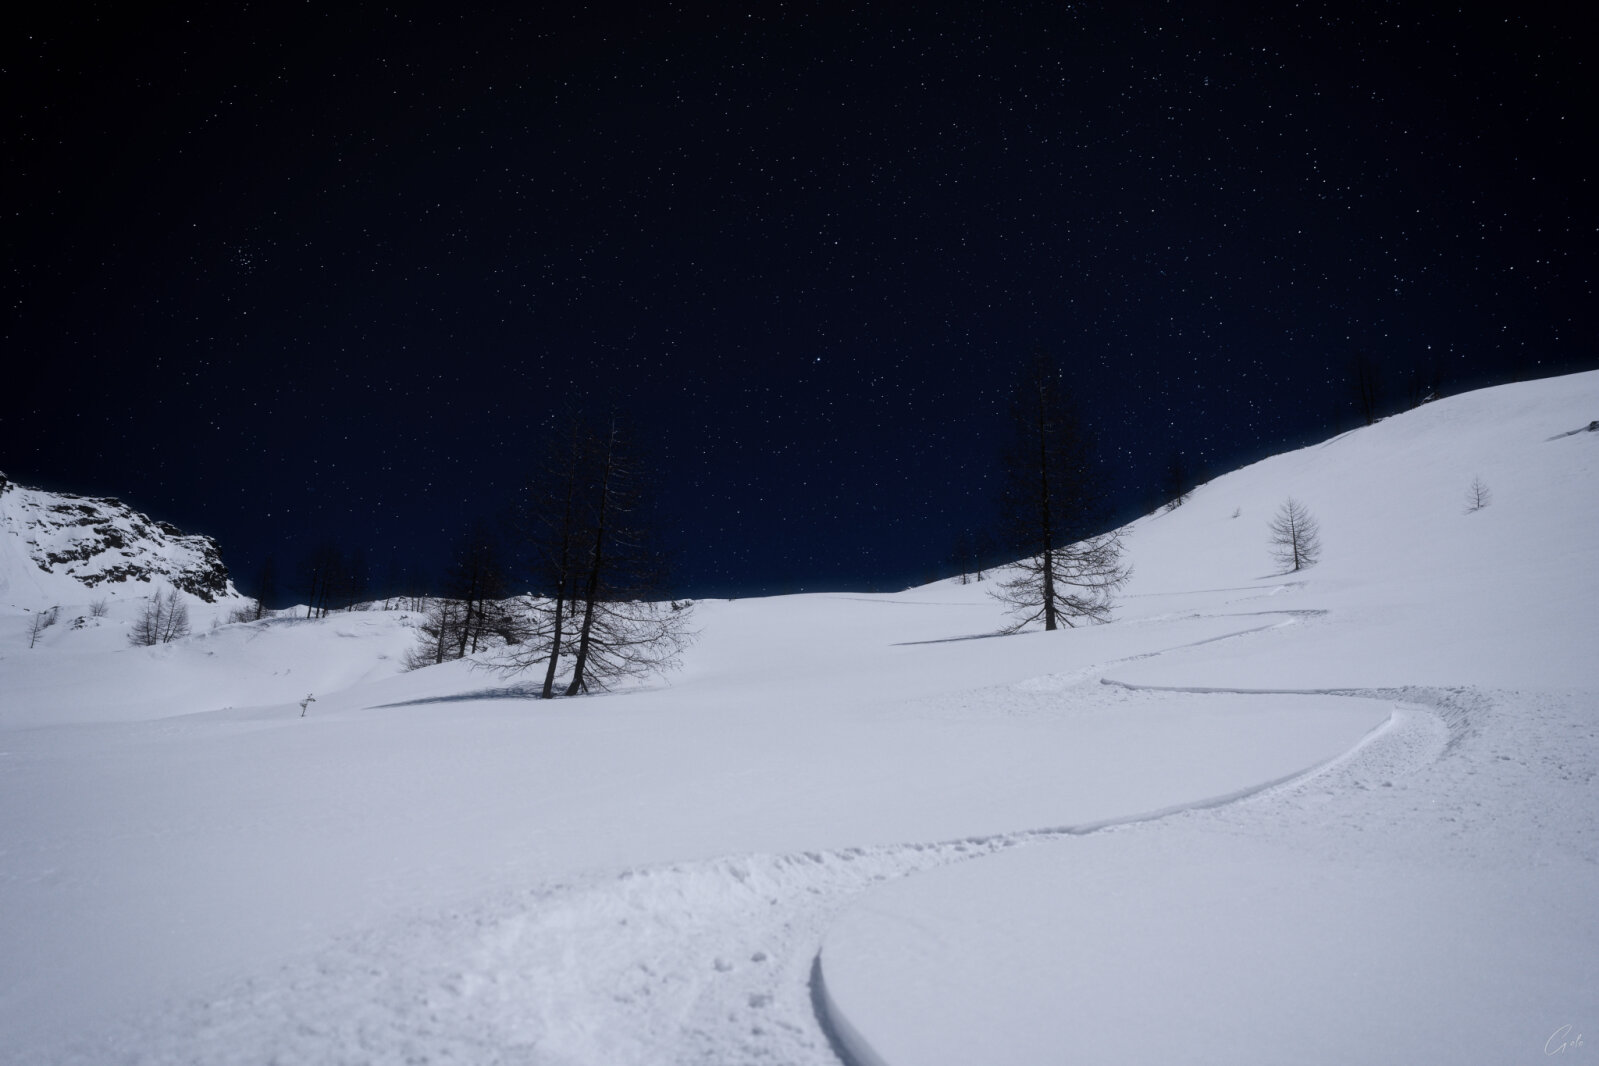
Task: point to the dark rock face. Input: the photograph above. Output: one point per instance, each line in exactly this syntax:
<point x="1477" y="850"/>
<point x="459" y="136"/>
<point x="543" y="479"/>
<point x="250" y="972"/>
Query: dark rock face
<point x="100" y="540"/>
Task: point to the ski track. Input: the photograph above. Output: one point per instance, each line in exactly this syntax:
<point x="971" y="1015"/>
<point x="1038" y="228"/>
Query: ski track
<point x="715" y="961"/>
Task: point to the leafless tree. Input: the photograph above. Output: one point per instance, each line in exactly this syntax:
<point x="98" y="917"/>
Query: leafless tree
<point x="963" y="557"/>
<point x="163" y="619"/>
<point x="1477" y="495"/>
<point x="438" y="636"/>
<point x="1178" y="481"/>
<point x="476" y="580"/>
<point x="598" y="586"/>
<point x="98" y="608"/>
<point x="624" y="631"/>
<point x="552" y="524"/>
<point x="1424" y="384"/>
<point x="41" y="621"/>
<point x="1365" y="380"/>
<point x="248" y="611"/>
<point x="1051" y="502"/>
<point x="323" y="570"/>
<point x="266" y="589"/>
<point x="355" y="581"/>
<point x="1295" y="537"/>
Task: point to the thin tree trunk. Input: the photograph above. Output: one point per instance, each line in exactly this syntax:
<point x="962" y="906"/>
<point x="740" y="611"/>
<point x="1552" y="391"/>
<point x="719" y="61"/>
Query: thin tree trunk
<point x="596" y="561"/>
<point x="555" y="644"/>
<point x="563" y="571"/>
<point x="1045" y="508"/>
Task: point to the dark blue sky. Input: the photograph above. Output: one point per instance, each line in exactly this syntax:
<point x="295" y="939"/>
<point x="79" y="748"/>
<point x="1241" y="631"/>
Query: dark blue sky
<point x="327" y="271"/>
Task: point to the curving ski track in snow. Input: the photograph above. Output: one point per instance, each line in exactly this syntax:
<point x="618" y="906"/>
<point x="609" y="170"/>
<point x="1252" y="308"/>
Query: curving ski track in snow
<point x="719" y="962"/>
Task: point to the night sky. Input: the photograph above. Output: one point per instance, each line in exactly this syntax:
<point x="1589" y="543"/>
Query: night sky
<point x="280" y="273"/>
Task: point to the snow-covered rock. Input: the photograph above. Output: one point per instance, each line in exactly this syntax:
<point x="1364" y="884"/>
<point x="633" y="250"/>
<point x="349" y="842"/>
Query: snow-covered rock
<point x="58" y="547"/>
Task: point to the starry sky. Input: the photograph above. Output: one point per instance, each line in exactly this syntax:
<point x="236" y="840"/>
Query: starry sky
<point x="287" y="272"/>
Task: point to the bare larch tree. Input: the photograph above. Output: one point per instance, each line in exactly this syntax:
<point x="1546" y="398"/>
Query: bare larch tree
<point x="551" y="524"/>
<point x="1295" y="537"/>
<point x="1178" y="481"/>
<point x="1051" y="500"/>
<point x="1364" y="378"/>
<point x="1477" y="495"/>
<point x="598" y="586"/>
<point x="625" y="629"/>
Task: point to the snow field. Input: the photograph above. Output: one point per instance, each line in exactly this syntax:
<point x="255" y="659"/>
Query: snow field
<point x="369" y="817"/>
<point x="431" y="868"/>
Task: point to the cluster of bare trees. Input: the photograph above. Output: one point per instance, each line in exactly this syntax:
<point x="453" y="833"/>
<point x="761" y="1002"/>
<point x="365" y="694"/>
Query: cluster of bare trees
<point x="1422" y="385"/>
<point x="972" y="555"/>
<point x="474" y="610"/>
<point x="335" y="580"/>
<point x="163" y="619"/>
<point x="1178" y="482"/>
<point x="597" y="610"/>
<point x="598" y="603"/>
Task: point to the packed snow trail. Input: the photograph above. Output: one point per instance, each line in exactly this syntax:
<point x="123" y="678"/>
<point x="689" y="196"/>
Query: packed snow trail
<point x="1468" y="831"/>
<point x="697" y="962"/>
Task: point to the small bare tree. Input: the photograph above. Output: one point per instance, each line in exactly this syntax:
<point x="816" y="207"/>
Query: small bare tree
<point x="98" y="608"/>
<point x="1477" y="495"/>
<point x="1295" y="537"/>
<point x="961" y="556"/>
<point x="41" y="621"/>
<point x="1364" y="379"/>
<point x="1178" y="482"/>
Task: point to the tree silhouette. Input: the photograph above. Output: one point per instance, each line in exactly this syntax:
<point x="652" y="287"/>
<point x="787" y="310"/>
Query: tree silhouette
<point x="598" y="586"/>
<point x="1295" y="537"/>
<point x="1051" y="499"/>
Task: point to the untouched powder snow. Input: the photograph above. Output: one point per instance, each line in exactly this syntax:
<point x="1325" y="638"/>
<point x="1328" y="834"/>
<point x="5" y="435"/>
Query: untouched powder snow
<point x="856" y="823"/>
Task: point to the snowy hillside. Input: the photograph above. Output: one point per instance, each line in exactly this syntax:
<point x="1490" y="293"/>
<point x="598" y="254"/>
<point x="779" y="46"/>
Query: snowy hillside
<point x="1346" y="814"/>
<point x="59" y="548"/>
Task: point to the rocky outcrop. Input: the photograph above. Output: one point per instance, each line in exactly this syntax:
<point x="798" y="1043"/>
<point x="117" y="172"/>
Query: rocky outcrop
<point x="99" y="540"/>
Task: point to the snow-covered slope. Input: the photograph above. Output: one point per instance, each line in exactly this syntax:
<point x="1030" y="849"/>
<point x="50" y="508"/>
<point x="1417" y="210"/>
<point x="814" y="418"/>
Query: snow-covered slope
<point x="58" y="548"/>
<point x="1429" y="898"/>
<point x="429" y="867"/>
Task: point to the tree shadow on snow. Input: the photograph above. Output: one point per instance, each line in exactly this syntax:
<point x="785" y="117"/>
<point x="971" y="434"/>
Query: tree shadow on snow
<point x="503" y="692"/>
